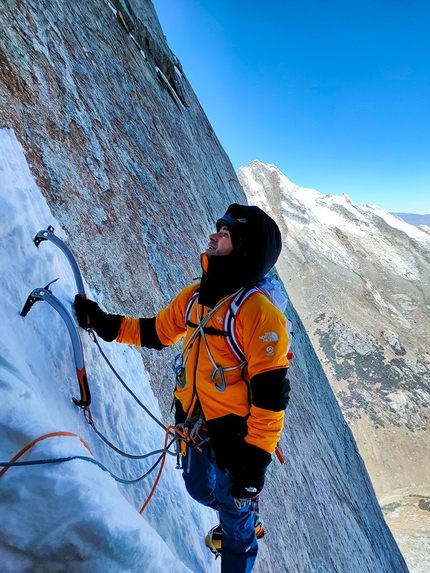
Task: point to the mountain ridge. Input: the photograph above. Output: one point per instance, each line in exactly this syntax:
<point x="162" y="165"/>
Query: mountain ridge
<point x="358" y="276"/>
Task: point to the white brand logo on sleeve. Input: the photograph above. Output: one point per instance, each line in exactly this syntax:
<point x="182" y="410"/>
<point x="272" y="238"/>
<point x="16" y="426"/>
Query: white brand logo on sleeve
<point x="269" y="337"/>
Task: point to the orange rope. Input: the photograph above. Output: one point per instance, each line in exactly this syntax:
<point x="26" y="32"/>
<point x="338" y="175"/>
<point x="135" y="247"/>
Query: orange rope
<point x="54" y="434"/>
<point x="31" y="444"/>
<point x="151" y="493"/>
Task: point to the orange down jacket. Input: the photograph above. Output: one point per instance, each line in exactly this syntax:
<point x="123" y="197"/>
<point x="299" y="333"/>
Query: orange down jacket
<point x="260" y="329"/>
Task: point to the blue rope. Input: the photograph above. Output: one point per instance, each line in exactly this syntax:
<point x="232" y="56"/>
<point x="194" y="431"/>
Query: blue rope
<point x="91" y="422"/>
<point x="93" y="461"/>
<point x="125" y="454"/>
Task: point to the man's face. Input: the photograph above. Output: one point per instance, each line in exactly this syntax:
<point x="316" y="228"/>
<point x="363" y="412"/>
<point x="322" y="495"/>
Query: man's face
<point x="220" y="243"/>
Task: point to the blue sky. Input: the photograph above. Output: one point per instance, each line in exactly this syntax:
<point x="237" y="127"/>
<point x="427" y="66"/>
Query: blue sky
<point x="335" y="93"/>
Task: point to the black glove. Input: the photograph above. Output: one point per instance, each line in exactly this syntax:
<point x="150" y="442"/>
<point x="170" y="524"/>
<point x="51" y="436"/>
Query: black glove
<point x="248" y="471"/>
<point x="90" y="315"/>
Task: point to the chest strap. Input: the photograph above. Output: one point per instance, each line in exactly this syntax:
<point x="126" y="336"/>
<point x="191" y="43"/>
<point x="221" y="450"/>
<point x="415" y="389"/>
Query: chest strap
<point x="202" y="330"/>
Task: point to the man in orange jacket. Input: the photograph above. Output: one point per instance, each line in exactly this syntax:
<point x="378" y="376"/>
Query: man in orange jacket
<point x="231" y="378"/>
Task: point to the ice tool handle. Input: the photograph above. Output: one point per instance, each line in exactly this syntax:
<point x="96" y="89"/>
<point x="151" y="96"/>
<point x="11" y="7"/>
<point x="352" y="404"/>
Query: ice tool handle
<point x="46" y="295"/>
<point x="48" y="235"/>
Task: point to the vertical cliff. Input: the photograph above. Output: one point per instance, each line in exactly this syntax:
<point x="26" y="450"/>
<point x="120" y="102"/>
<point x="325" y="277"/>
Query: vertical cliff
<point x="132" y="170"/>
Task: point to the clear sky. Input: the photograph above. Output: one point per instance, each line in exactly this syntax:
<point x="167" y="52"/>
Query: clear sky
<point x="335" y="93"/>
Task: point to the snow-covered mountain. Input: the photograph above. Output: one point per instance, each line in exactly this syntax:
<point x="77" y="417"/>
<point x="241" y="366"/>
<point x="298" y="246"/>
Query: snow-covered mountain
<point x="359" y="278"/>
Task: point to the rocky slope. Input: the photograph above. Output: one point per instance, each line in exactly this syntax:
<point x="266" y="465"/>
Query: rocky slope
<point x="359" y="278"/>
<point x="132" y="170"/>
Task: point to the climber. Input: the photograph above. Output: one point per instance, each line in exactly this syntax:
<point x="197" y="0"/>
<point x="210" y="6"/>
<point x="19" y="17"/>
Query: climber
<point x="238" y="405"/>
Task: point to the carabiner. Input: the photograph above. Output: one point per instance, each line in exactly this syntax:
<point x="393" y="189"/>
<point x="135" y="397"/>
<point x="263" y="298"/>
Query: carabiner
<point x="221" y="373"/>
<point x="179" y="371"/>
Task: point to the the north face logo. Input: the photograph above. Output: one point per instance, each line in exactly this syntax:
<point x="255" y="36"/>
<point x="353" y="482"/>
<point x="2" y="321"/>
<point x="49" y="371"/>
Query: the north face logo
<point x="269" y="337"/>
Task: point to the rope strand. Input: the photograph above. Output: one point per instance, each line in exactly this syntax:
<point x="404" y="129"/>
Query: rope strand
<point x="44" y="437"/>
<point x="87" y="413"/>
<point x="94" y="339"/>
<point x="157" y="479"/>
<point x="117" y="450"/>
<point x="14" y="463"/>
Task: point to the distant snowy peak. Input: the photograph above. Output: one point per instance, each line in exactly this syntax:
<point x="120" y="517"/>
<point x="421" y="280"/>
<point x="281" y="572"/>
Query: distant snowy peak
<point x="414" y="219"/>
<point x="267" y="186"/>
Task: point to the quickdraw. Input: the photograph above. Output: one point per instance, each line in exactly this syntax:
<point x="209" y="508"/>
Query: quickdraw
<point x="181" y="359"/>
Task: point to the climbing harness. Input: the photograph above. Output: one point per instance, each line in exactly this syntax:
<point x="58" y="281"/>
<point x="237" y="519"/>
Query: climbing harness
<point x="194" y="437"/>
<point x="271" y="288"/>
<point x="192" y="425"/>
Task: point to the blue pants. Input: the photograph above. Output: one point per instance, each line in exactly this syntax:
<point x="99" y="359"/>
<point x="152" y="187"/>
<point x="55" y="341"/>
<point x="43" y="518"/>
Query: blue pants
<point x="208" y="485"/>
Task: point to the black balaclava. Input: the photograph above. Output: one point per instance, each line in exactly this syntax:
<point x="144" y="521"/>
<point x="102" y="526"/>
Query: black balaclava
<point x="256" y="243"/>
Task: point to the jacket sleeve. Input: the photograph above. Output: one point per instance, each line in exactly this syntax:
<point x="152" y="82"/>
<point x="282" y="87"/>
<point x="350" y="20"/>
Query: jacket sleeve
<point x="265" y="343"/>
<point x="162" y="330"/>
<point x="139" y="332"/>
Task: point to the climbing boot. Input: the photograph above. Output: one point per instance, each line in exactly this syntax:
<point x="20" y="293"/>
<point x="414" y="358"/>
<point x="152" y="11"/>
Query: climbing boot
<point x="214" y="537"/>
<point x="260" y="532"/>
<point x="213" y="540"/>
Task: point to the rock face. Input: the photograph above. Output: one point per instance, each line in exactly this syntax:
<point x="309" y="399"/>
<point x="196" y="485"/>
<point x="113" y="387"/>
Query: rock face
<point x="130" y="166"/>
<point x="107" y="113"/>
<point x="118" y="143"/>
<point x="359" y="278"/>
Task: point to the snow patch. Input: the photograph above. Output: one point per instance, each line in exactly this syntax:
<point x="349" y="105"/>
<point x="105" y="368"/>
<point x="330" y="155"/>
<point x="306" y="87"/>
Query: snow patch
<point x="74" y="516"/>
